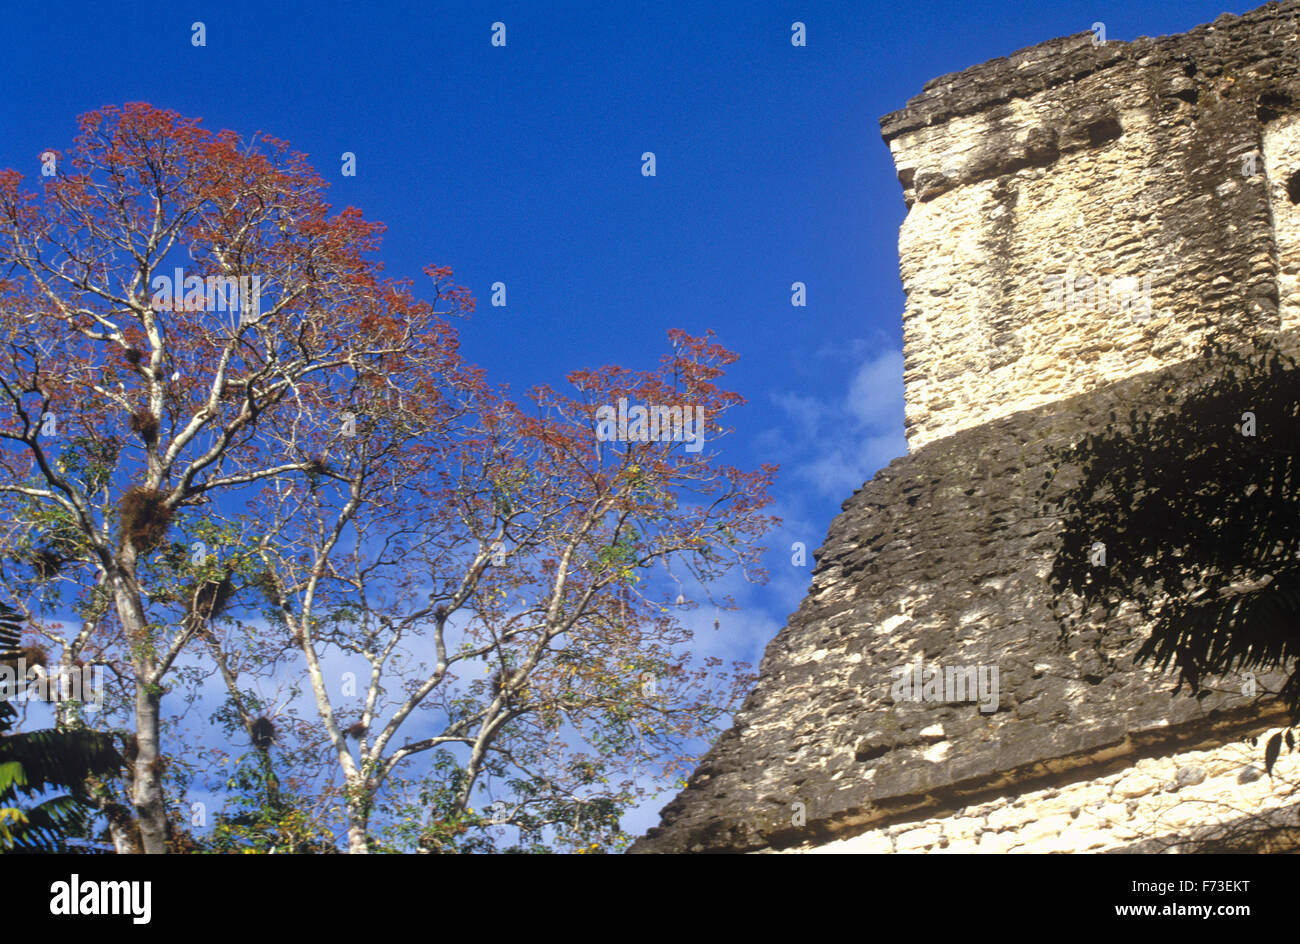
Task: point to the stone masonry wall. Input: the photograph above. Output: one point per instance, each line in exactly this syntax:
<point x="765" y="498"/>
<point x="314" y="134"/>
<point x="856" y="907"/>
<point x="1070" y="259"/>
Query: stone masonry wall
<point x="1111" y="170"/>
<point x="1281" y="158"/>
<point x="1191" y="801"/>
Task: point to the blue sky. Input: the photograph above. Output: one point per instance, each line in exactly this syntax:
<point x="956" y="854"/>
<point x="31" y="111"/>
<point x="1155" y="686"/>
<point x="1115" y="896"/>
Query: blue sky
<point x="522" y="165"/>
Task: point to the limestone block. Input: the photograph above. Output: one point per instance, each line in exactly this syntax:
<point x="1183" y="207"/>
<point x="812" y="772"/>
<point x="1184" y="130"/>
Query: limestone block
<point x="915" y="840"/>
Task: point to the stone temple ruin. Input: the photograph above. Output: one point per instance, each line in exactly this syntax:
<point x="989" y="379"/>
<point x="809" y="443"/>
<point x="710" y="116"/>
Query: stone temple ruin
<point x="1075" y="211"/>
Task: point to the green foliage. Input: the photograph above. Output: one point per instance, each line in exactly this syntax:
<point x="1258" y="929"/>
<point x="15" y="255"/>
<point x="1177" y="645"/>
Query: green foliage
<point x="619" y="557"/>
<point x="43" y="762"/>
<point x="48" y="761"/>
<point x="50" y="541"/>
<point x="261" y="816"/>
<point x="434" y="823"/>
<point x="90" y="460"/>
<point x="543" y="817"/>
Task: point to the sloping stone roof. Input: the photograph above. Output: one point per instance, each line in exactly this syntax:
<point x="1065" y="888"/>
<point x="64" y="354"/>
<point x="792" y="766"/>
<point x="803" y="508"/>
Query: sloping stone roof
<point x="942" y="556"/>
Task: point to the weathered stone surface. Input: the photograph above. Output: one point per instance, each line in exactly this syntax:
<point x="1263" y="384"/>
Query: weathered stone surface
<point x="1074" y="819"/>
<point x="950" y="538"/>
<point x="1115" y="161"/>
<point x="1093" y="164"/>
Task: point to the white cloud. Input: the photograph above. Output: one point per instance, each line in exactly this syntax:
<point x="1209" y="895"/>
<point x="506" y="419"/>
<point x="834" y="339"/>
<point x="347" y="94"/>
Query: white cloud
<point x="875" y="395"/>
<point x="836" y="445"/>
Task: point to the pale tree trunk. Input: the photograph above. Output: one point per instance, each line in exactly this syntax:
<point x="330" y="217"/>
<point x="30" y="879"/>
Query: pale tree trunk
<point x="147" y="796"/>
<point x="123" y="842"/>
<point x="358" y="827"/>
<point x="147" y="790"/>
<point x="122" y="828"/>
